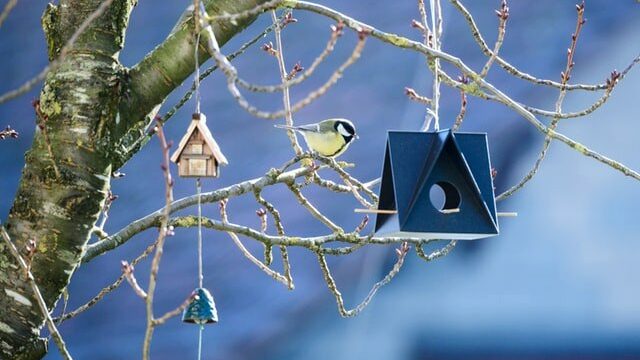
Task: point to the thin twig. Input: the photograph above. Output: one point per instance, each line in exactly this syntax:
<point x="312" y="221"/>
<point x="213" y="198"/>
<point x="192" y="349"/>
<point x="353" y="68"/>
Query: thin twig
<point x="436" y="25"/>
<point x="503" y="15"/>
<point x="165" y="230"/>
<point x="413" y="95"/>
<point x="175" y="312"/>
<point x="436" y="254"/>
<point x="312" y="209"/>
<point x="275" y="214"/>
<point x="274" y="274"/>
<point x="128" y="272"/>
<point x="336" y="32"/>
<point x="478" y="86"/>
<point x="463" y="106"/>
<point x="106" y="290"/>
<point x="475" y="31"/>
<point x="29" y="84"/>
<point x="402" y="252"/>
<point x="232" y="77"/>
<point x="564" y="76"/>
<point x="288" y="118"/>
<point x="7" y="10"/>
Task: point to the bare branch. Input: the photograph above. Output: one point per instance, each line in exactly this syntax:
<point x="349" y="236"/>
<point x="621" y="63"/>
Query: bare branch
<point x="175" y="312"/>
<point x="564" y="76"/>
<point x="245" y="14"/>
<point x="272" y="177"/>
<point x="165" y="231"/>
<point x="275" y="214"/>
<point x="512" y="69"/>
<point x="312" y="209"/>
<point x="436" y="254"/>
<point x="436" y="25"/>
<point x="285" y="88"/>
<point x="336" y="32"/>
<point x="232" y="78"/>
<point x="211" y="69"/>
<point x="29" y="84"/>
<point x="106" y="290"/>
<point x="503" y="15"/>
<point x="413" y="95"/>
<point x="274" y="274"/>
<point x="128" y="272"/>
<point x="402" y="252"/>
<point x="7" y="10"/>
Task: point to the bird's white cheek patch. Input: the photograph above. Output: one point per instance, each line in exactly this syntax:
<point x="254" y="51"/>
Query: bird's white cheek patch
<point x="343" y="131"/>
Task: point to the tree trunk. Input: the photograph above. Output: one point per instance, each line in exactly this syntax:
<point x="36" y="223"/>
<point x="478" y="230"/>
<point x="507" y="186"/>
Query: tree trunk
<point x="89" y="106"/>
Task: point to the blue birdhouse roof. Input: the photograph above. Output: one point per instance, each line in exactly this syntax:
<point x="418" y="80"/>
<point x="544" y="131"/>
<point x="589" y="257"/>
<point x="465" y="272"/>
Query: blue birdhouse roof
<point x="458" y="164"/>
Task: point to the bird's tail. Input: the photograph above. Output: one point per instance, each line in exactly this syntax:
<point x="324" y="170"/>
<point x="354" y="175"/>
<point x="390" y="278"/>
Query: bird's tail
<point x="294" y="128"/>
<point x="286" y="127"/>
<point x="303" y="128"/>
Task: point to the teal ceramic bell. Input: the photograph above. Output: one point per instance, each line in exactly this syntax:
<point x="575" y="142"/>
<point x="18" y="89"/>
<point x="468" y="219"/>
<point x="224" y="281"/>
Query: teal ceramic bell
<point x="202" y="309"/>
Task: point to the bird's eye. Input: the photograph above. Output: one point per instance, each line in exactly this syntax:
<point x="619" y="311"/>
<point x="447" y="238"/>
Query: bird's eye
<point x="343" y="131"/>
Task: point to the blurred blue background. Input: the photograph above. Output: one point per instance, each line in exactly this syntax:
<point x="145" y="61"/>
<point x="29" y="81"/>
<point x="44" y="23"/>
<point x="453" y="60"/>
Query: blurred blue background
<point x="560" y="282"/>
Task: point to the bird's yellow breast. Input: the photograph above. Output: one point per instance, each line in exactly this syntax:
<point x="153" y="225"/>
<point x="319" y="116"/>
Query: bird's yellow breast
<point x="326" y="144"/>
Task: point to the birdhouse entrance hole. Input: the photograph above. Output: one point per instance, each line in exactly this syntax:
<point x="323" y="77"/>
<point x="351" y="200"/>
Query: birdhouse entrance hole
<point x="445" y="197"/>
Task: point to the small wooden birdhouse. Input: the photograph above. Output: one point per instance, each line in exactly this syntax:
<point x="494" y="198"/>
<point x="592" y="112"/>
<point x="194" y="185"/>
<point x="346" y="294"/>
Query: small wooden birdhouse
<point x="437" y="185"/>
<point x="198" y="154"/>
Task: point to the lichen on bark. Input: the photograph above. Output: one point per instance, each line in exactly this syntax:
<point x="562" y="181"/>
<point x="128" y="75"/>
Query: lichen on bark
<point x="87" y="104"/>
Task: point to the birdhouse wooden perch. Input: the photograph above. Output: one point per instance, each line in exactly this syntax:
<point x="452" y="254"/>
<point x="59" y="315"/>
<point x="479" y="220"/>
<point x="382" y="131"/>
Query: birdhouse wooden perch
<point x="418" y="165"/>
<point x="198" y="154"/>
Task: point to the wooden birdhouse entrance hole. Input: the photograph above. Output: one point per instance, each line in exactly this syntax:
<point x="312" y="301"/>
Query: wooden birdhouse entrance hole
<point x="445" y="197"/>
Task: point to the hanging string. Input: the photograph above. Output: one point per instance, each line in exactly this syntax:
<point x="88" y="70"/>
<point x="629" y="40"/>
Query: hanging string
<point x="196" y="13"/>
<point x="200" y="274"/>
<point x="200" y="342"/>
<point x="436" y="25"/>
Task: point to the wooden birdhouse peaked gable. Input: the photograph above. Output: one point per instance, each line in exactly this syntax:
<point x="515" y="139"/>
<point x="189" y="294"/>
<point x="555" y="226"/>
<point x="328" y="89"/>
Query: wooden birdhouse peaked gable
<point x="418" y="165"/>
<point x="198" y="154"/>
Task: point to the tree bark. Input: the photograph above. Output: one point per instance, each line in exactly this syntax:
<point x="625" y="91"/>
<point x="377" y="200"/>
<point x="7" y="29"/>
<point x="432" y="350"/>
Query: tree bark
<point x="61" y="192"/>
<point x="88" y="107"/>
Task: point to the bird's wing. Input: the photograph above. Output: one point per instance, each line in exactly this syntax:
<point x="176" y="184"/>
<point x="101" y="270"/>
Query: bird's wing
<point x="303" y="128"/>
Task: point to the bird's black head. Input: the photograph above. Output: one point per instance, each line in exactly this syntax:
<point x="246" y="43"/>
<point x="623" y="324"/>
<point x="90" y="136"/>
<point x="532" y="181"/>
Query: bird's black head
<point x="346" y="129"/>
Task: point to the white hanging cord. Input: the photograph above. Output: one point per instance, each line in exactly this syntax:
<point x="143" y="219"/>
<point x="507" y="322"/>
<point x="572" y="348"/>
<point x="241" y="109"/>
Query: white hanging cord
<point x="200" y="274"/>
<point x="200" y="342"/>
<point x="198" y="183"/>
<point x="436" y="25"/>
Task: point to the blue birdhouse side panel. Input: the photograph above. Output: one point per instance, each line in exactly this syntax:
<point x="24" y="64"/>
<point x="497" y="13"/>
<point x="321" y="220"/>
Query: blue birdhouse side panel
<point x="387" y="223"/>
<point x="469" y="217"/>
<point x="475" y="149"/>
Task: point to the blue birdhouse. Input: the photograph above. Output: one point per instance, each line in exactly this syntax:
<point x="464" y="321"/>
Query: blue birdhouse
<point x="437" y="185"/>
<point x="202" y="309"/>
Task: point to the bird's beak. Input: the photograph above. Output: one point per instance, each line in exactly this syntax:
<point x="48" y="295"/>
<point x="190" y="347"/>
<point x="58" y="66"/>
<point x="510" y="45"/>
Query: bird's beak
<point x="357" y="137"/>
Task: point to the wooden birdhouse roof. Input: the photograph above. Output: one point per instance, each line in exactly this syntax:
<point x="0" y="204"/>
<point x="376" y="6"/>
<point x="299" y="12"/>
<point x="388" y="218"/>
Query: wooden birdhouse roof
<point x="199" y="122"/>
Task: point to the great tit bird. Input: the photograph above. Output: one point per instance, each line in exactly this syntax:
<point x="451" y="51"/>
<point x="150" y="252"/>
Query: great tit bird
<point x="329" y="137"/>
